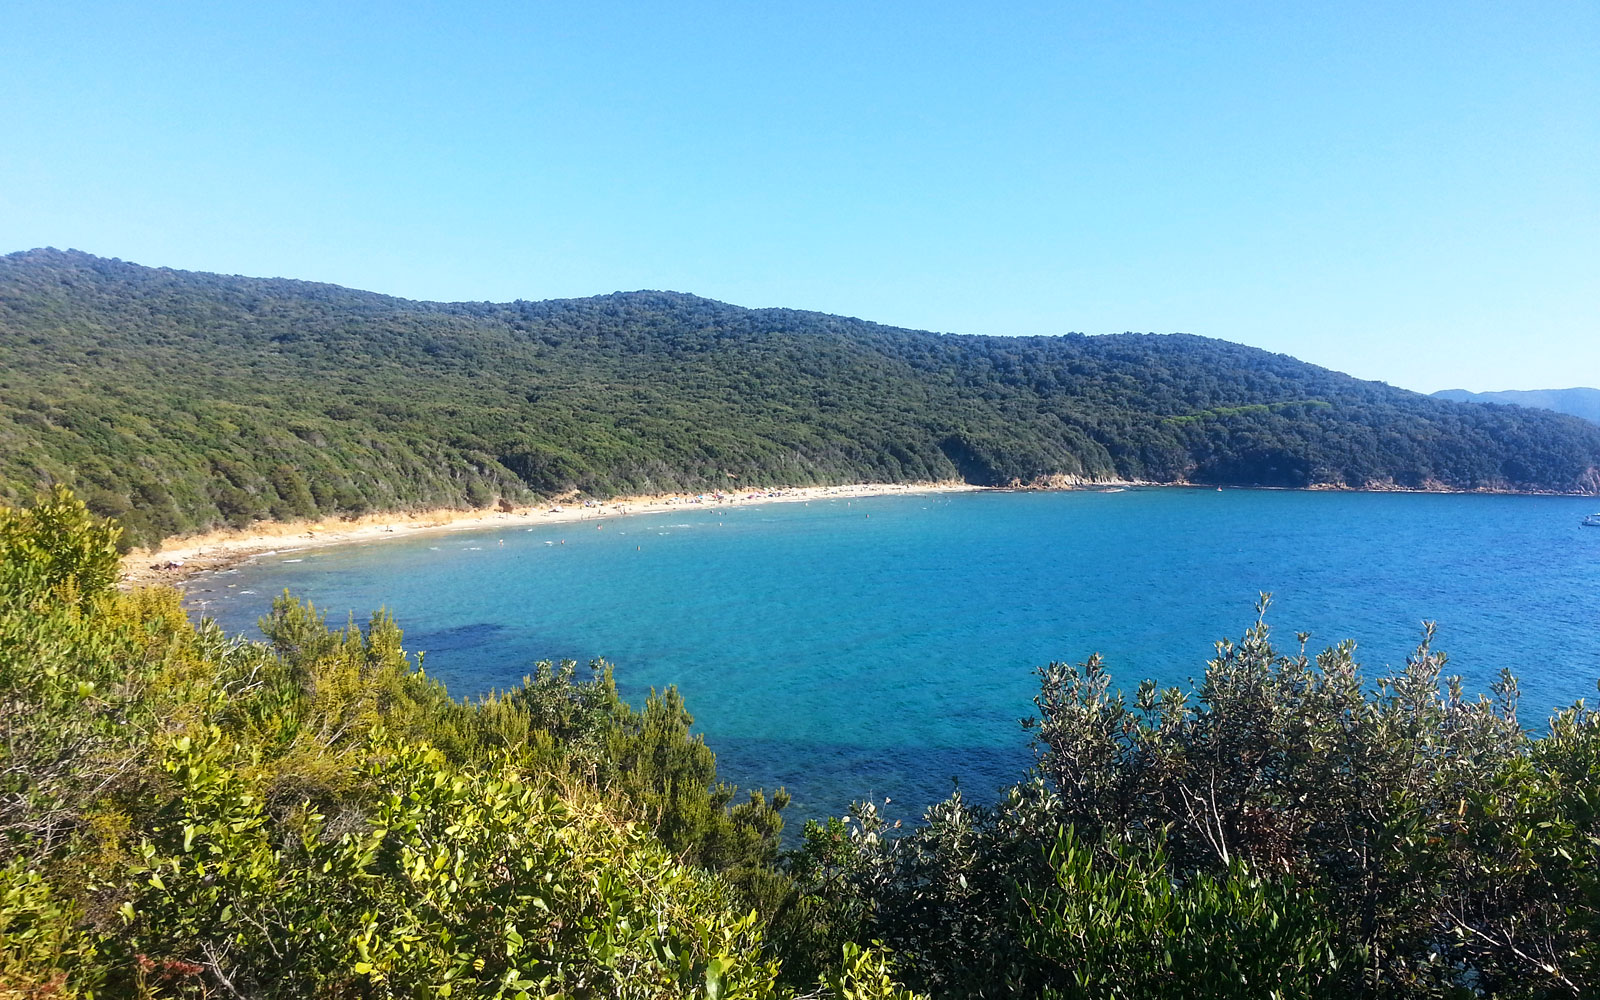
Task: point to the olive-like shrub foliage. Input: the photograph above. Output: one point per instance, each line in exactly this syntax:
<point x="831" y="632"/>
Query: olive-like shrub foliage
<point x="184" y="814"/>
<point x="461" y="881"/>
<point x="1004" y="901"/>
<point x="1403" y="805"/>
<point x="1287" y="830"/>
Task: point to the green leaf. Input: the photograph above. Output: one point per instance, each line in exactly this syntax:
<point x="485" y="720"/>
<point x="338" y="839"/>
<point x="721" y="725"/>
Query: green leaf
<point x="715" y="970"/>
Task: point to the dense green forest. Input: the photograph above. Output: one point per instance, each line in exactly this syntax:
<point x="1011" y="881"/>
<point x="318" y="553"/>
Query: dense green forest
<point x="185" y="814"/>
<point x="179" y="401"/>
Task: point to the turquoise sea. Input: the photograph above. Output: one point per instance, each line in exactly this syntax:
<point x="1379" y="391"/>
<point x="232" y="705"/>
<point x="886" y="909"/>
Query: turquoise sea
<point x="884" y="647"/>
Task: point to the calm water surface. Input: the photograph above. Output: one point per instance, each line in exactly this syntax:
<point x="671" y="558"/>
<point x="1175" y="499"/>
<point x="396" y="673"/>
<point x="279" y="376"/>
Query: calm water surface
<point x="882" y="647"/>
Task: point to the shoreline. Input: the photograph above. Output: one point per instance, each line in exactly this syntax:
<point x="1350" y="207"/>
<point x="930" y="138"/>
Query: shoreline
<point x="177" y="561"/>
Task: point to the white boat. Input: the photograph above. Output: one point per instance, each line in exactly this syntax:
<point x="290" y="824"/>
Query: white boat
<point x="1592" y="521"/>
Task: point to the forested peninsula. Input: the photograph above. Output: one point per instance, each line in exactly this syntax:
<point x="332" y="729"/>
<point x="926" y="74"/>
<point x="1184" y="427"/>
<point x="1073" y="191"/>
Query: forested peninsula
<point x="180" y="401"/>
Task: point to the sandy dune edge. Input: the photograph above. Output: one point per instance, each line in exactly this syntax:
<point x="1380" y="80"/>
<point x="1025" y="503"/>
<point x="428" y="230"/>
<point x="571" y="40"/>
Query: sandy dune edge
<point x="179" y="559"/>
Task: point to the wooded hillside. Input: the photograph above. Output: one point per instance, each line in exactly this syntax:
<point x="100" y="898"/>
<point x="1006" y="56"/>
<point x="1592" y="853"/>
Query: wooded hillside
<point x="179" y="401"/>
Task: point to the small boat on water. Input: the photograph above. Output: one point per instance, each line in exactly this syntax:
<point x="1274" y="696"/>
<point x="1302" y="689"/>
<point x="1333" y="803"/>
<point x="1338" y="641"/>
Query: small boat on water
<point x="1592" y="521"/>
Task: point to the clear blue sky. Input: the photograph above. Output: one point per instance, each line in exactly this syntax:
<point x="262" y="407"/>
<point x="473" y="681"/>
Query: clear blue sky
<point x="1405" y="191"/>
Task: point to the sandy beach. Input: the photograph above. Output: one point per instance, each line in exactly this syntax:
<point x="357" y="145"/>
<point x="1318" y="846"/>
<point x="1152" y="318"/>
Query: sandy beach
<point x="180" y="559"/>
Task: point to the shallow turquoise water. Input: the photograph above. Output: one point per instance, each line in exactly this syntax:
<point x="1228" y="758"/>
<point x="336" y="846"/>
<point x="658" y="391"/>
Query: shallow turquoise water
<point x="880" y="647"/>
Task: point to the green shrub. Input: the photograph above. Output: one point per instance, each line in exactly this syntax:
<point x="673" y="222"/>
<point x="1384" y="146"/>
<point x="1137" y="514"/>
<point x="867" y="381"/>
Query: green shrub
<point x="1285" y="831"/>
<point x="468" y="882"/>
<point x="185" y="814"/>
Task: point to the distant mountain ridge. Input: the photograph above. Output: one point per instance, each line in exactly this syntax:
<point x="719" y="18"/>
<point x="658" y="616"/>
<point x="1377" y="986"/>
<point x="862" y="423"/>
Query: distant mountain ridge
<point x="180" y="401"/>
<point x="1578" y="402"/>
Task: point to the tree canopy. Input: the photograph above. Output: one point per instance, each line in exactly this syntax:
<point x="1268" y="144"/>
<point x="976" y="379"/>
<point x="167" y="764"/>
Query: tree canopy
<point x="178" y="401"/>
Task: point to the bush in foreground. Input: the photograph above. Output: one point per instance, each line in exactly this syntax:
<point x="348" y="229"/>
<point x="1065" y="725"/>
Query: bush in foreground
<point x="1288" y="830"/>
<point x="184" y="814"/>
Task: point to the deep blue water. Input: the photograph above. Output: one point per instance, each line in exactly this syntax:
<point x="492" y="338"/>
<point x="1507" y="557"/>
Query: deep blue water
<point x="880" y="647"/>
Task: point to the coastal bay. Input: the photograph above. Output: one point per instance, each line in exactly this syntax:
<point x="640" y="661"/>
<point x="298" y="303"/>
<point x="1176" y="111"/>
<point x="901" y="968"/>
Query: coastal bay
<point x="178" y="560"/>
<point x="852" y="646"/>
